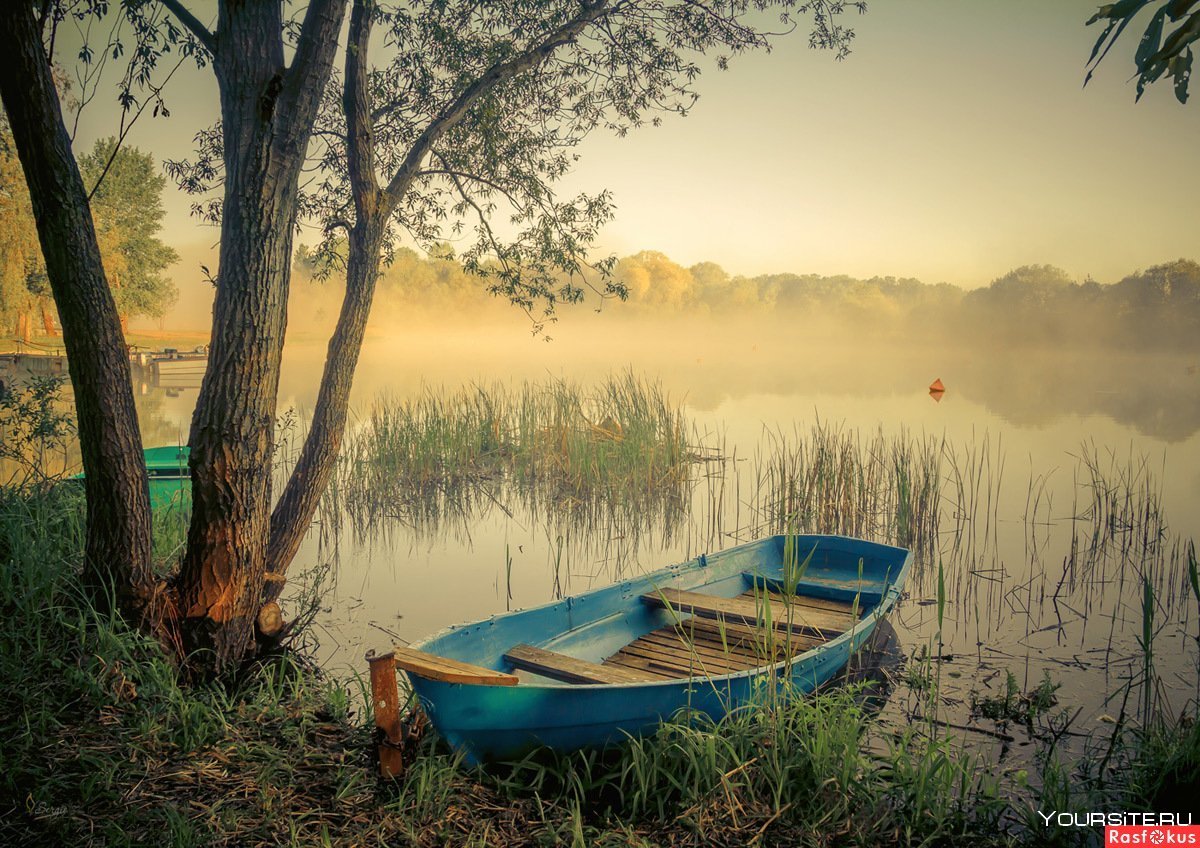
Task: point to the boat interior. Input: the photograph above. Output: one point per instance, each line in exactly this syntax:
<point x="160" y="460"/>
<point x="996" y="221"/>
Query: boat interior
<point x="710" y="636"/>
<point x="685" y="633"/>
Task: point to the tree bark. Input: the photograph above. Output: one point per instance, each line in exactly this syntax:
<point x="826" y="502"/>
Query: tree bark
<point x="267" y="113"/>
<point x="296" y="506"/>
<point x="117" y="548"/>
<point x="373" y="206"/>
<point x="294" y="512"/>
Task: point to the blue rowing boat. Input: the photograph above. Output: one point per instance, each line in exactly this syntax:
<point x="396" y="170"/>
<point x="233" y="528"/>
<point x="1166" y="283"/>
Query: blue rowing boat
<point x="706" y="635"/>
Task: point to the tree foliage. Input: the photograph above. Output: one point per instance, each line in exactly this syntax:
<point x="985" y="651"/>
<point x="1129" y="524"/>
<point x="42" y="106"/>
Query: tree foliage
<point x="127" y="210"/>
<point x="1165" y="47"/>
<point x="22" y="272"/>
<point x="477" y="111"/>
<point x="460" y="127"/>
<point x="127" y="207"/>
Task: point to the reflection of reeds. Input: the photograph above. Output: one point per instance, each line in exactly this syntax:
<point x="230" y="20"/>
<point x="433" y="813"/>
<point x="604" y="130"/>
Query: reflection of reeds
<point x="611" y="456"/>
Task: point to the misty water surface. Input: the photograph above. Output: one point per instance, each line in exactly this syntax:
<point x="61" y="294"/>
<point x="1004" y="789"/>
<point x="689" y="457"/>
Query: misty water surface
<point x="1030" y="427"/>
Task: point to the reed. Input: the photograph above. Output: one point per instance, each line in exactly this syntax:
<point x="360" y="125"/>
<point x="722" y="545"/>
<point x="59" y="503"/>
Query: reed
<point x="786" y="771"/>
<point x="830" y="480"/>
<point x="615" y="453"/>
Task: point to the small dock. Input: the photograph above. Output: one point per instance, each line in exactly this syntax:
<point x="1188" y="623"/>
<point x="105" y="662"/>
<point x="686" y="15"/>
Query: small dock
<point x="173" y="368"/>
<point x="169" y="368"/>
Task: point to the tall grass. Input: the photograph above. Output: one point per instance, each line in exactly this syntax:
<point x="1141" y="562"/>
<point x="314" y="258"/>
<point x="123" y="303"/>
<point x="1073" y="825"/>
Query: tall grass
<point x="620" y="448"/>
<point x="794" y="771"/>
<point x="830" y="480"/>
<point x="103" y="744"/>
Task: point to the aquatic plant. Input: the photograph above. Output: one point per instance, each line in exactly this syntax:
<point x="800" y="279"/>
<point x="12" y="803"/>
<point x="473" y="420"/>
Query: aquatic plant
<point x="616" y="452"/>
<point x="831" y="480"/>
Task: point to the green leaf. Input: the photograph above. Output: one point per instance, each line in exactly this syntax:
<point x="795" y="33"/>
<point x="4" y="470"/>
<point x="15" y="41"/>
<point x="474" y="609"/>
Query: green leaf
<point x="1151" y="39"/>
<point x="1181" y="70"/>
<point x="1178" y="8"/>
<point x="1123" y="12"/>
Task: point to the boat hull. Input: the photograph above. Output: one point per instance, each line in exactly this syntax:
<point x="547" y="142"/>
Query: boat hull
<point x="168" y="476"/>
<point x="502" y="722"/>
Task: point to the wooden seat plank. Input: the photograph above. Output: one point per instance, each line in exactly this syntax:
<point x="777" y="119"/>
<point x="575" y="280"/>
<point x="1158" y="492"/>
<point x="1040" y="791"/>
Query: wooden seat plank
<point x="433" y="667"/>
<point x="805" y="604"/>
<point x="708" y="656"/>
<point x="643" y="666"/>
<point x="646" y="655"/>
<point x="844" y="607"/>
<point x="707" y="650"/>
<point x="748" y="611"/>
<point x="680" y="658"/>
<point x="727" y="642"/>
<point x="680" y="666"/>
<point x="566" y="668"/>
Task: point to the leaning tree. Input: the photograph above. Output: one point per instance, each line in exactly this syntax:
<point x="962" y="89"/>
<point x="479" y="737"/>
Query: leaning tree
<point x="464" y="119"/>
<point x="117" y="548"/>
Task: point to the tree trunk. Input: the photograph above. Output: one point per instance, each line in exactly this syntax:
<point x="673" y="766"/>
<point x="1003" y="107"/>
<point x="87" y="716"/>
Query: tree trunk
<point x="294" y="512"/>
<point x="23" y="329"/>
<point x="48" y="320"/>
<point x="267" y="114"/>
<point x="117" y="549"/>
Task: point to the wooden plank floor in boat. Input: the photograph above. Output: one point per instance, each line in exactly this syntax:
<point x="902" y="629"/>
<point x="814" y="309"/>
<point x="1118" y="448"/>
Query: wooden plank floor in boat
<point x="723" y="636"/>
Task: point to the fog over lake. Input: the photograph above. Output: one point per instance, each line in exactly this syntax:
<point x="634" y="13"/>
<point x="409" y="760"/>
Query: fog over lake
<point x="1038" y="446"/>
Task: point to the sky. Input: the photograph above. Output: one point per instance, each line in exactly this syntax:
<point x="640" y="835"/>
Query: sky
<point x="955" y="143"/>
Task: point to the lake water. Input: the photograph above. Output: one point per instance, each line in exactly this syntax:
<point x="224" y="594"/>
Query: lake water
<point x="1070" y="480"/>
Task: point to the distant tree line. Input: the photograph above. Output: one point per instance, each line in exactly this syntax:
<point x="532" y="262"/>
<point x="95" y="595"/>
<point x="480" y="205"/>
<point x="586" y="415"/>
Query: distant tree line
<point x="1157" y="307"/>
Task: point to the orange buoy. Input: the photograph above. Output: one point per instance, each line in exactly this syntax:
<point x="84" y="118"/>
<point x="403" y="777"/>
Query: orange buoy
<point x="936" y="386"/>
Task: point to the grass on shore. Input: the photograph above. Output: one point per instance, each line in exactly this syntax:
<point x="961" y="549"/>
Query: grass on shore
<point x="105" y="746"/>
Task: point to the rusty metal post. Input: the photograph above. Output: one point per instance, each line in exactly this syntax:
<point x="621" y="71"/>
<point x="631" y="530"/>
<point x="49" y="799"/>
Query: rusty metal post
<point x="385" y="696"/>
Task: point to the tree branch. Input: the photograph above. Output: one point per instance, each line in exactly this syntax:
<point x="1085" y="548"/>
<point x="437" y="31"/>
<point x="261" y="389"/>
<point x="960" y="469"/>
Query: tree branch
<point x="493" y="77"/>
<point x="126" y="127"/>
<point x="193" y="25"/>
<point x="447" y="171"/>
<point x="360" y="147"/>
<point x="315" y="49"/>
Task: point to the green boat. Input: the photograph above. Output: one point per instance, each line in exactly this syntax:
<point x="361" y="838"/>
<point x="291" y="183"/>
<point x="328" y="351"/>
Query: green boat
<point x="170" y="479"/>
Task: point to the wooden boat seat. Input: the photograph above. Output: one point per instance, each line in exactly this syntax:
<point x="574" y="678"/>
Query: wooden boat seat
<point x="570" y="669"/>
<point x="795" y="617"/>
<point x="433" y="667"/>
<point x="812" y="590"/>
<point x="839" y="607"/>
